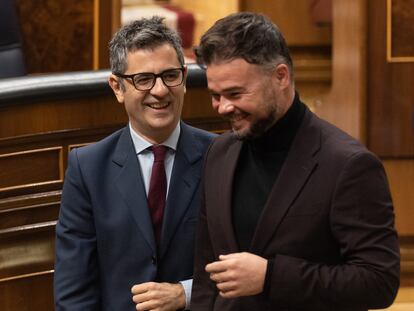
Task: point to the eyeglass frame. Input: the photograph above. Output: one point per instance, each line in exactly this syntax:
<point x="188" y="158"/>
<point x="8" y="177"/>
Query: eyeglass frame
<point x="155" y="75"/>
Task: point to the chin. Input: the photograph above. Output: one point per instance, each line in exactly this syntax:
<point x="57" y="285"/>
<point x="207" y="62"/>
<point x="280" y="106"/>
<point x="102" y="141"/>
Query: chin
<point x="254" y="131"/>
<point x="163" y="123"/>
<point x="242" y="134"/>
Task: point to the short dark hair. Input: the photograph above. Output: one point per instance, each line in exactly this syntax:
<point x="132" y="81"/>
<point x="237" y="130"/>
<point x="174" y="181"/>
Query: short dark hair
<point x="145" y="33"/>
<point x="250" y="36"/>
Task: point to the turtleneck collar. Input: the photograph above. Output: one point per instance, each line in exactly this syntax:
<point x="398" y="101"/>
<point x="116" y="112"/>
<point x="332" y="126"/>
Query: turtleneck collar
<point x="280" y="136"/>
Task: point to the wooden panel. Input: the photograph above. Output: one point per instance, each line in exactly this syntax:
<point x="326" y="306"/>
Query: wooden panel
<point x="390" y="87"/>
<point x="207" y="12"/>
<point x="313" y="74"/>
<point x="27" y="259"/>
<point x="399" y="28"/>
<point x="27" y="249"/>
<point x="30" y="166"/>
<point x="57" y="35"/>
<point x="16" y="217"/>
<point x="29" y="200"/>
<point x="32" y="292"/>
<point x="345" y="103"/>
<point x="70" y="147"/>
<point x="94" y="112"/>
<point x="107" y="15"/>
<point x="407" y="260"/>
<point x="405" y="296"/>
<point x="29" y="190"/>
<point x="50" y="116"/>
<point x="401" y="178"/>
<point x="197" y="104"/>
<point x="63" y="36"/>
<point x="321" y="11"/>
<point x="294" y="20"/>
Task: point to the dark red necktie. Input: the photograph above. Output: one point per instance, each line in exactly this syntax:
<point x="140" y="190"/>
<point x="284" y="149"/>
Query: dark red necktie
<point x="158" y="189"/>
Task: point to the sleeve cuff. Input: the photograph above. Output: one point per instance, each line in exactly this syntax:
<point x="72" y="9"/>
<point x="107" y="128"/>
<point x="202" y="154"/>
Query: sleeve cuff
<point x="187" y="285"/>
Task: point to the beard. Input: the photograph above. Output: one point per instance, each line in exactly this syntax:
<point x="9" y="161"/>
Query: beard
<point x="267" y="102"/>
<point x="258" y="127"/>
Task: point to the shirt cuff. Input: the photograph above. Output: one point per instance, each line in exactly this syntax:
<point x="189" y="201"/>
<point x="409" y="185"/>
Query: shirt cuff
<point x="187" y="285"/>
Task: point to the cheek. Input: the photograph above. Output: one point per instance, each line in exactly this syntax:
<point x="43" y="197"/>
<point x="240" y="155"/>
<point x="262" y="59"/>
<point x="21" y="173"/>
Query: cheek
<point x="248" y="104"/>
<point x="268" y="102"/>
<point x="133" y="104"/>
<point x="179" y="99"/>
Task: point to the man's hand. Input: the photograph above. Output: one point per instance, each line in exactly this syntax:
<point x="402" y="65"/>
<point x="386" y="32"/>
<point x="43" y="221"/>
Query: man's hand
<point x="238" y="274"/>
<point x="158" y="296"/>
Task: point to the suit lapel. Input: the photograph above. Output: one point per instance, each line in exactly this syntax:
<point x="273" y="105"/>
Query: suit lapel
<point x="131" y="187"/>
<point x="183" y="184"/>
<point x="224" y="235"/>
<point x="295" y="172"/>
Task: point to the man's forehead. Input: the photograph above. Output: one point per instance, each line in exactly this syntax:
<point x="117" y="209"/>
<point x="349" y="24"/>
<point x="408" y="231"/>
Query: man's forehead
<point x="167" y="47"/>
<point x="228" y="76"/>
<point x="236" y="66"/>
<point x="227" y="88"/>
<point x="153" y="60"/>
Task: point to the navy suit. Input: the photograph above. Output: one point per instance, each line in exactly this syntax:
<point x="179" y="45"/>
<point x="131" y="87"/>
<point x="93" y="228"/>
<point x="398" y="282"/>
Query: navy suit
<point x="104" y="237"/>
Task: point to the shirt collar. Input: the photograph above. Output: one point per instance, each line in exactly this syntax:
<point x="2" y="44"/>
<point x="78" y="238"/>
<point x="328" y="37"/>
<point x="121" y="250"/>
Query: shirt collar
<point x="141" y="144"/>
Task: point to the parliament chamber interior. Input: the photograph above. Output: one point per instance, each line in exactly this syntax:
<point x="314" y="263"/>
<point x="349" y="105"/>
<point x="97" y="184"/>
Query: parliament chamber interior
<point x="353" y="63"/>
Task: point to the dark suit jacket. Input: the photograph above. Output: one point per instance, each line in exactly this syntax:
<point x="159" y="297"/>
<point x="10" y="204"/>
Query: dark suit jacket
<point x="328" y="224"/>
<point x="104" y="236"/>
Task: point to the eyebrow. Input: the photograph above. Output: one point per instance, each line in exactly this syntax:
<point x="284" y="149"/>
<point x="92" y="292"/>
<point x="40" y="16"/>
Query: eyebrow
<point x="227" y="90"/>
<point x="148" y="72"/>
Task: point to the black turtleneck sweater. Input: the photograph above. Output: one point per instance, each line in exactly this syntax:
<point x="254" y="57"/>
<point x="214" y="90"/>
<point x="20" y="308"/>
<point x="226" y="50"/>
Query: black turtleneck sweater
<point x="258" y="167"/>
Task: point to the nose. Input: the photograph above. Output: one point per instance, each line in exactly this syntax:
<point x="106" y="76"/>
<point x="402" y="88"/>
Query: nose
<point x="159" y="89"/>
<point x="223" y="106"/>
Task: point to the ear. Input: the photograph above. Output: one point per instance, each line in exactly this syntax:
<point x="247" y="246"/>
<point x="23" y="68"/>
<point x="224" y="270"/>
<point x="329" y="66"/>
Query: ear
<point x="117" y="87"/>
<point x="282" y="76"/>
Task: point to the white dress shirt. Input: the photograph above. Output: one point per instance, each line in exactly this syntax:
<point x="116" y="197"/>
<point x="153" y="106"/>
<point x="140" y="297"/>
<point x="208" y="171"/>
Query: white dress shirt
<point x="146" y="157"/>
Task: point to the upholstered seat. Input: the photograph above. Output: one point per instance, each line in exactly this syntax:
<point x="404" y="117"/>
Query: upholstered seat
<point x="11" y="53"/>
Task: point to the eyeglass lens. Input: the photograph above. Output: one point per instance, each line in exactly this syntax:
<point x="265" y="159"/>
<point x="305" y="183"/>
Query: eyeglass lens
<point x="171" y="77"/>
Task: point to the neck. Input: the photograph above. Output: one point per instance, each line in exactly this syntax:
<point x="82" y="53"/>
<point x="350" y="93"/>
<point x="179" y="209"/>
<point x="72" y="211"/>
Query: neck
<point x="155" y="136"/>
<point x="289" y="96"/>
<point x="281" y="134"/>
<point x="285" y="102"/>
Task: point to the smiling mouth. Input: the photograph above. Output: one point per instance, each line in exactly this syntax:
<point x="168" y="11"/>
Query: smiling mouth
<point x="235" y="117"/>
<point x="158" y="106"/>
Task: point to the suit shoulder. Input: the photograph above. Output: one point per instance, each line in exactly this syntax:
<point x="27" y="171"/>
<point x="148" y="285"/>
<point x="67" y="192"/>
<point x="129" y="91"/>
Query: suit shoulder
<point x="221" y="143"/>
<point x="338" y="142"/>
<point x="102" y="147"/>
<point x="225" y="139"/>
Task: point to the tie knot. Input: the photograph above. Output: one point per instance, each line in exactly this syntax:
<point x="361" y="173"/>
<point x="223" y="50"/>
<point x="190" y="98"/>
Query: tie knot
<point x="159" y="152"/>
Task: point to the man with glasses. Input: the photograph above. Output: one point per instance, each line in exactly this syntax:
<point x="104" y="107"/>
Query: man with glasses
<point x="130" y="202"/>
<point x="297" y="215"/>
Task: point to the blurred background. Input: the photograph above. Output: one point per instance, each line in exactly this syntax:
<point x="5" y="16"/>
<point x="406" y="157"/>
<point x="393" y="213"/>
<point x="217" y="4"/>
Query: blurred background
<point x="353" y="63"/>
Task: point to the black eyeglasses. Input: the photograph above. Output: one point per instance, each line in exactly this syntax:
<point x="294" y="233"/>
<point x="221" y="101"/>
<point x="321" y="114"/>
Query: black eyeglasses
<point x="145" y="81"/>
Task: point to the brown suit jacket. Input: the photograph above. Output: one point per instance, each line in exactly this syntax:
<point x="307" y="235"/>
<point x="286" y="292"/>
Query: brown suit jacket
<point x="328" y="224"/>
